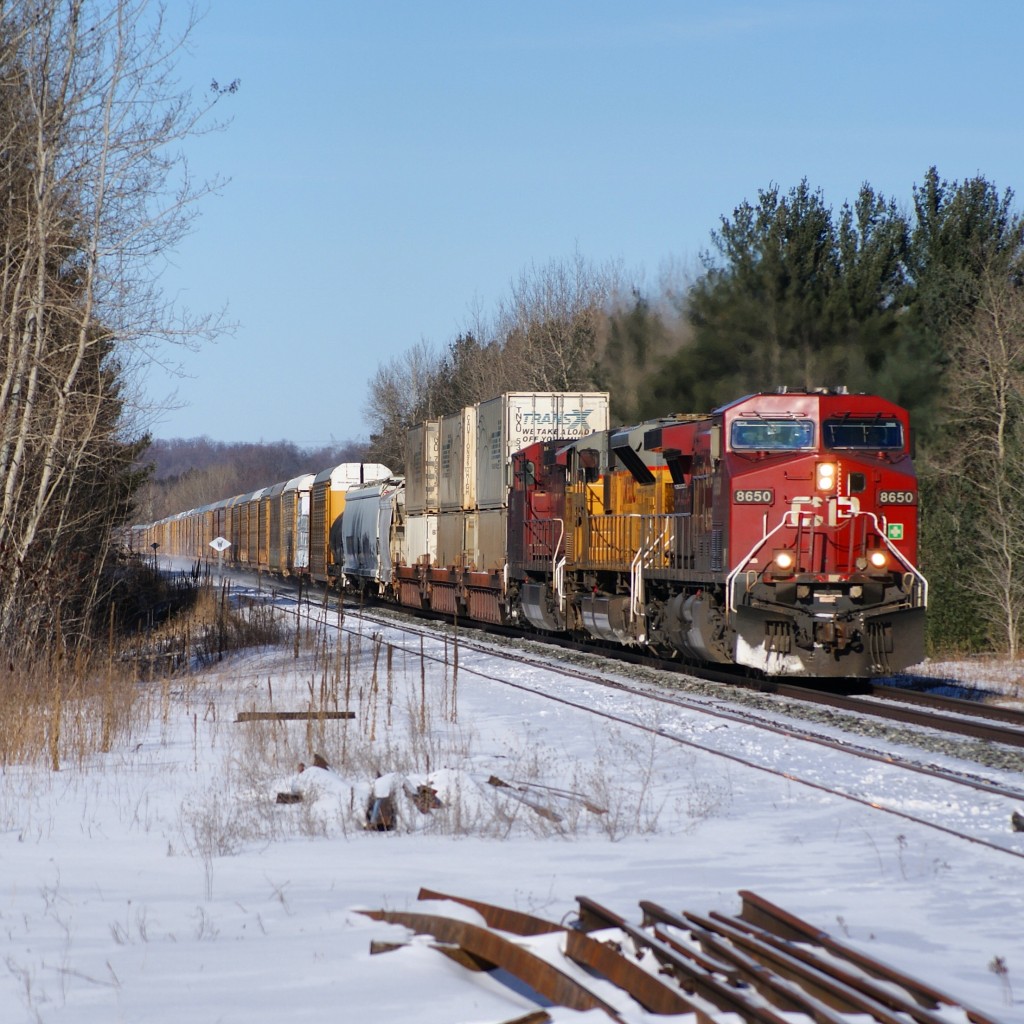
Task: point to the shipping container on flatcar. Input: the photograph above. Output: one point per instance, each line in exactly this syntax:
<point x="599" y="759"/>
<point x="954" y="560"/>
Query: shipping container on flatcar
<point x="512" y="421"/>
<point x="451" y="540"/>
<point x="457" y="461"/>
<point x="422" y="465"/>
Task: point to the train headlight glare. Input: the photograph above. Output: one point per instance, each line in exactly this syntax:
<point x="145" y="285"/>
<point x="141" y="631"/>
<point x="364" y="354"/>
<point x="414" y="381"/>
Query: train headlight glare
<point x="826" y="476"/>
<point x="785" y="560"/>
<point x="878" y="559"/>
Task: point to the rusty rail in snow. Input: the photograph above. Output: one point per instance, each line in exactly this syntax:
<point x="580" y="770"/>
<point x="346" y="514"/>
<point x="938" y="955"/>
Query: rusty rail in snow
<point x="762" y="966"/>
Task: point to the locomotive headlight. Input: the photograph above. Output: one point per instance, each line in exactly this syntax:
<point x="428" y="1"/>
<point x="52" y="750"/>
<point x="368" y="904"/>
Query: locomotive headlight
<point x="785" y="560"/>
<point x="878" y="559"/>
<point x="825" y="476"/>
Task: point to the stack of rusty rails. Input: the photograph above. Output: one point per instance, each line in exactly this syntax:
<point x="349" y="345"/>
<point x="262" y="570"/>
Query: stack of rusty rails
<point x="762" y="967"/>
<point x="782" y="929"/>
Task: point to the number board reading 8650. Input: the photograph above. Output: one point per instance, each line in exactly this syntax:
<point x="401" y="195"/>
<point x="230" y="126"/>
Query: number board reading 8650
<point x="897" y="498"/>
<point x="754" y="496"/>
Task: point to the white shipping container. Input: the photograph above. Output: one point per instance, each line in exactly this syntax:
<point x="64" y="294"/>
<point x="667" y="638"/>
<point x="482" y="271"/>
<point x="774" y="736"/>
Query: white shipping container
<point x="450" y="459"/>
<point x="421" y="467"/>
<point x="510" y="422"/>
<point x="451" y="539"/>
<point x="457" y="461"/>
<point x="487" y="539"/>
<point x="469" y="457"/>
<point x="420" y="539"/>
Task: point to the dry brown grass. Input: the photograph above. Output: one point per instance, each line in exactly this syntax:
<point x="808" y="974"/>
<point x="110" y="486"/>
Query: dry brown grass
<point x="59" y="709"/>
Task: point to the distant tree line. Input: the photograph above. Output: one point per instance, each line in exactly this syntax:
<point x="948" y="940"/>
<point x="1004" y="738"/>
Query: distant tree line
<point x="924" y="307"/>
<point x="189" y="473"/>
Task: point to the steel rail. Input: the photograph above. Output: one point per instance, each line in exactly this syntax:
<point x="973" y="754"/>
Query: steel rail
<point x="691" y="744"/>
<point x="735" y="758"/>
<point x="767" y="917"/>
<point x="489" y="948"/>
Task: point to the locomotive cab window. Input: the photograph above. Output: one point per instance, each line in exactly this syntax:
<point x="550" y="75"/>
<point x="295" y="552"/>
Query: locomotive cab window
<point x="875" y="435"/>
<point x="757" y="435"/>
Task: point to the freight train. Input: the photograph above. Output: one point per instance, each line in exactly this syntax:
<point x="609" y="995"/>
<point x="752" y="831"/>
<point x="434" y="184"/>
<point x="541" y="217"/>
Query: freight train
<point x="777" y="533"/>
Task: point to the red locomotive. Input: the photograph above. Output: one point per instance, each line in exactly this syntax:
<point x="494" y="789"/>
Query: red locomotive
<point x="778" y="533"/>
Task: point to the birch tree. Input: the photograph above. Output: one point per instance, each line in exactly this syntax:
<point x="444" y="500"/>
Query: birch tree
<point x="94" y="193"/>
<point x="987" y="458"/>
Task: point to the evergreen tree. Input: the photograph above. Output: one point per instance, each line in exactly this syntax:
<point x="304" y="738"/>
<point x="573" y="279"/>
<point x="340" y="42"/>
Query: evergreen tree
<point x="792" y="296"/>
<point x="962" y="233"/>
<point x="966" y="238"/>
<point x="637" y="340"/>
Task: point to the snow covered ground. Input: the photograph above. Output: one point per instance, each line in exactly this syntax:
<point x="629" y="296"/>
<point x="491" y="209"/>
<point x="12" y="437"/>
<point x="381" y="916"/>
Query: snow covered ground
<point x="164" y="882"/>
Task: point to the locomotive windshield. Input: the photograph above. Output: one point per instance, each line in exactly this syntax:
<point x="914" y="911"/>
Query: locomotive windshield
<point x="871" y="434"/>
<point x="771" y="435"/>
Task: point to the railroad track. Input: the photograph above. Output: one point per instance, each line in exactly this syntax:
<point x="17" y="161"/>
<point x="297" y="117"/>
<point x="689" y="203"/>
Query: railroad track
<point x="989" y="724"/>
<point x="763" y="966"/>
<point x="995" y="807"/>
<point x="986" y="723"/>
<point x="993" y="800"/>
<point x="683" y="722"/>
<point x="955" y="716"/>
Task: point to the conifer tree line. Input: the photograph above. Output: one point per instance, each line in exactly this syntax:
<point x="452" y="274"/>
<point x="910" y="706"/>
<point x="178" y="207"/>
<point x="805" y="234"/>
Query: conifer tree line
<point x="921" y="303"/>
<point x="92" y="195"/>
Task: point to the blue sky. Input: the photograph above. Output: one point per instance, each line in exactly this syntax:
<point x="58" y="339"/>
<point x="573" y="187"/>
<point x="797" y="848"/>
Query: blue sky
<point x="395" y="165"/>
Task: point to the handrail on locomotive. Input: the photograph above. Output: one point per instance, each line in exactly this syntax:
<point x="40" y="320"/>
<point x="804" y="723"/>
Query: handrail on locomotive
<point x="797" y="518"/>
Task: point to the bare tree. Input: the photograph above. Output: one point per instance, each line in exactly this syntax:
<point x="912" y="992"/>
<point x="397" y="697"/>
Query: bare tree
<point x="402" y="393"/>
<point x="987" y="381"/>
<point x="545" y="337"/>
<point x="94" y="192"/>
<point x="550" y="327"/>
